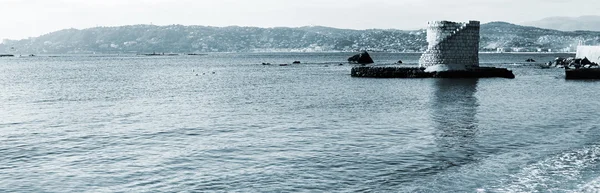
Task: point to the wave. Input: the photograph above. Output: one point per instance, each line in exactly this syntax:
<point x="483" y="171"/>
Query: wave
<point x="560" y="173"/>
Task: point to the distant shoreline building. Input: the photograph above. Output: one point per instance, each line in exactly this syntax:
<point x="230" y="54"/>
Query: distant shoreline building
<point x="452" y="46"/>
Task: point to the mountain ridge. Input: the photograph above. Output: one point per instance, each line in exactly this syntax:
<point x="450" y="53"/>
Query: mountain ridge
<point x="581" y="23"/>
<point x="141" y="38"/>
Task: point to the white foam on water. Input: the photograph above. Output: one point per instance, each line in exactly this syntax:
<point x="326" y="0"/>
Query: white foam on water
<point x="559" y="173"/>
<point x="592" y="186"/>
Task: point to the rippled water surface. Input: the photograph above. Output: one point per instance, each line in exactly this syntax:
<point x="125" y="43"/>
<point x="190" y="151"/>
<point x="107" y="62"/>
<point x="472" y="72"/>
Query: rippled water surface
<point x="223" y="122"/>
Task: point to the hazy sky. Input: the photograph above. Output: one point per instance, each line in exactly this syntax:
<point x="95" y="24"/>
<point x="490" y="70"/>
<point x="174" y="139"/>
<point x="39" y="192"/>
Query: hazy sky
<point x="29" y="18"/>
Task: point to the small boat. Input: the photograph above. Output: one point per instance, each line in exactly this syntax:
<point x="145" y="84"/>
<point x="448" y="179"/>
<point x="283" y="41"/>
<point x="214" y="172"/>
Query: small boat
<point x="530" y="60"/>
<point x="283" y="64"/>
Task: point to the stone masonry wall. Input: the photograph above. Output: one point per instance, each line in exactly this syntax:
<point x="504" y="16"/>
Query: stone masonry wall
<point x="452" y="46"/>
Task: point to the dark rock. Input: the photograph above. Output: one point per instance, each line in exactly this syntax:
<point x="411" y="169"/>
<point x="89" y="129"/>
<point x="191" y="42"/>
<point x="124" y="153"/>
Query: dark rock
<point x="362" y="58"/>
<point x="559" y="61"/>
<point x="399" y="62"/>
<point x="585" y="61"/>
<point x="545" y="66"/>
<point x="569" y="60"/>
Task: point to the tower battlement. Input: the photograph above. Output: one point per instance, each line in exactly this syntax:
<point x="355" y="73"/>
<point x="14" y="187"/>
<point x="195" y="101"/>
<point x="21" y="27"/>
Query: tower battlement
<point x="452" y="46"/>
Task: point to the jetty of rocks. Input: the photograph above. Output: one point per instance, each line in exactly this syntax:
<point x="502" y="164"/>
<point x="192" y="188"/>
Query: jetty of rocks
<point x="420" y="72"/>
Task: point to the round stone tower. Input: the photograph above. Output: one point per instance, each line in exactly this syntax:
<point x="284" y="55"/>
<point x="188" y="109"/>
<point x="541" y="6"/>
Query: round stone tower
<point x="452" y="46"/>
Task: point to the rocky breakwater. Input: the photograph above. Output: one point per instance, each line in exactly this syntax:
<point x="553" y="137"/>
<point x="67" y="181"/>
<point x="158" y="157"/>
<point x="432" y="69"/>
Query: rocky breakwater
<point x="584" y="66"/>
<point x="420" y="72"/>
<point x="582" y="73"/>
<point x="453" y="52"/>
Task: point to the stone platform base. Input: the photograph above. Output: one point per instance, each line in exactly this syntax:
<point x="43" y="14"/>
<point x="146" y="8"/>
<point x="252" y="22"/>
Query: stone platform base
<point x="582" y="73"/>
<point x="407" y="72"/>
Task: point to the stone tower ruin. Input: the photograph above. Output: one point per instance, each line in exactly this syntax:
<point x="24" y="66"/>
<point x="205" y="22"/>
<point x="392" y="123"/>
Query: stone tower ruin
<point x="452" y="46"/>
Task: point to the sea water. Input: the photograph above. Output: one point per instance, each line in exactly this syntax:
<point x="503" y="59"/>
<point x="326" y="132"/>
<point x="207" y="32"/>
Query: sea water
<point x="225" y="122"/>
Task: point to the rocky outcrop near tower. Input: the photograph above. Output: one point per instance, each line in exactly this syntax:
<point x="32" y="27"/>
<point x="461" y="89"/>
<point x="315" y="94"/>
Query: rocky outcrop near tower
<point x="362" y="58"/>
<point x="452" y="46"/>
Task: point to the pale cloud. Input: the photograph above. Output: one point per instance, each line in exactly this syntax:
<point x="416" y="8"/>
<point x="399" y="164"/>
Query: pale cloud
<point x="25" y="18"/>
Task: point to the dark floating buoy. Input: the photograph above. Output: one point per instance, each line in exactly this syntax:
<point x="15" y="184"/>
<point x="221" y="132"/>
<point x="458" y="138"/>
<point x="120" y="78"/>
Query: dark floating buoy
<point x="296" y="62"/>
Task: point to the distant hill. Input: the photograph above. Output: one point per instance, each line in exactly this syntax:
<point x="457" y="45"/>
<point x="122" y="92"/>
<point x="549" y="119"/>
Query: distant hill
<point x="193" y="39"/>
<point x="584" y="23"/>
<point x="178" y="38"/>
<point x="524" y="38"/>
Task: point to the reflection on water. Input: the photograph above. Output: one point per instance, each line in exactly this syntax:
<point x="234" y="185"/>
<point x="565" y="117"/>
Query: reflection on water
<point x="454" y="109"/>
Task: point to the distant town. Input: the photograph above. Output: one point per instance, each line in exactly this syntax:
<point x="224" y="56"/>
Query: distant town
<point x="142" y="39"/>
